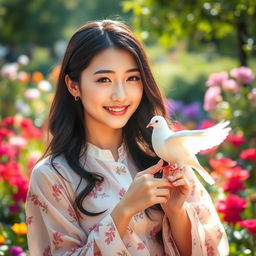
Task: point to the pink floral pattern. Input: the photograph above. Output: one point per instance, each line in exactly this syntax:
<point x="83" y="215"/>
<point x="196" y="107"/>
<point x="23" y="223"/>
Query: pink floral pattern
<point x="37" y="202"/>
<point x="49" y="208"/>
<point x="154" y="231"/>
<point x="47" y="251"/>
<point x="57" y="191"/>
<point x="95" y="227"/>
<point x="29" y="220"/>
<point x="121" y="193"/>
<point x="141" y="246"/>
<point x="110" y="234"/>
<point x="97" y="192"/>
<point x="120" y="170"/>
<point x="57" y="240"/>
<point x="72" y="214"/>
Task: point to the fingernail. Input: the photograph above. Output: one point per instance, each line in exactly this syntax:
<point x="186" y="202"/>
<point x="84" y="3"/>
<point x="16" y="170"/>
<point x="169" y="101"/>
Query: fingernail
<point x="170" y="177"/>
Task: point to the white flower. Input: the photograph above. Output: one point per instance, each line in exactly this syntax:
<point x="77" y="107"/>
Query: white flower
<point x="44" y="86"/>
<point x="18" y="141"/>
<point x="22" y="107"/>
<point x="10" y="70"/>
<point x="23" y="60"/>
<point x="32" y="94"/>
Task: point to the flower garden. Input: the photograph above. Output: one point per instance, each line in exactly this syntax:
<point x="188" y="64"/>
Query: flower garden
<point x="230" y="95"/>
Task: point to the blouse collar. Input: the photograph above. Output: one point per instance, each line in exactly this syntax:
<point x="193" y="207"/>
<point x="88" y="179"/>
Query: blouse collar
<point x="105" y="154"/>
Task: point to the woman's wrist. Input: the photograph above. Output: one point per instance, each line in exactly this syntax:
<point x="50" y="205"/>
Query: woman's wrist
<point x="121" y="216"/>
<point x="175" y="213"/>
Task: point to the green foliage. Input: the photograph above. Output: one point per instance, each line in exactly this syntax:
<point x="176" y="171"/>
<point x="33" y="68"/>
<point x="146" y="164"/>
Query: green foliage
<point x="172" y="21"/>
<point x="41" y="22"/>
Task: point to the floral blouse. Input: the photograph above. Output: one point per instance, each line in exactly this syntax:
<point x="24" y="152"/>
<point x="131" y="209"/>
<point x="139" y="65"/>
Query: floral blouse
<point x="55" y="227"/>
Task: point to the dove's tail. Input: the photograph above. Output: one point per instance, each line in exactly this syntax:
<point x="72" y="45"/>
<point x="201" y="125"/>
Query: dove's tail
<point x="204" y="174"/>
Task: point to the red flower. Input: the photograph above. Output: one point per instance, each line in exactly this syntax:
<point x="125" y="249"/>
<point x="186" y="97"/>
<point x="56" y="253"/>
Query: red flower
<point x="248" y="154"/>
<point x="231" y="207"/>
<point x="4" y="132"/>
<point x="8" y="121"/>
<point x="206" y="124"/>
<point x="236" y="140"/>
<point x="233" y="185"/>
<point x="237" y="173"/>
<point x="249" y="224"/>
<point x="222" y="164"/>
<point x="7" y="151"/>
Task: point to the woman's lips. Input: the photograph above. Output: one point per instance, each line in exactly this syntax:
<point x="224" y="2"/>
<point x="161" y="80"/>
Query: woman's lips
<point x="117" y="110"/>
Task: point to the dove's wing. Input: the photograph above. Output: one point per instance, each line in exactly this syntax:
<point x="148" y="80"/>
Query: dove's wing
<point x="197" y="140"/>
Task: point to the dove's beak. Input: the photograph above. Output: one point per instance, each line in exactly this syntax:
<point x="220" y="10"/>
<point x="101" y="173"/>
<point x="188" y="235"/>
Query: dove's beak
<point x="149" y="125"/>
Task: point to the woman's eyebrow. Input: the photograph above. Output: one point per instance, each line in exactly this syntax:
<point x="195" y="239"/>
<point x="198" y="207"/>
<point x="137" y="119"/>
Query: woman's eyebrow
<point x="104" y="71"/>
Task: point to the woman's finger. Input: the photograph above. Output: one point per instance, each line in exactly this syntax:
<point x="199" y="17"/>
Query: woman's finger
<point x="179" y="182"/>
<point x="153" y="169"/>
<point x="175" y="176"/>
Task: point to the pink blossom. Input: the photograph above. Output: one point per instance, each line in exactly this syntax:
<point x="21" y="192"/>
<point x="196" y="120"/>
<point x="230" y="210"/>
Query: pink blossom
<point x="216" y="79"/>
<point x="18" y="141"/>
<point x="10" y="71"/>
<point x="242" y="74"/>
<point x="230" y="85"/>
<point x="32" y="94"/>
<point x="211" y="98"/>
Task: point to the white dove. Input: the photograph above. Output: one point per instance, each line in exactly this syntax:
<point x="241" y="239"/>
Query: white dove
<point x="182" y="146"/>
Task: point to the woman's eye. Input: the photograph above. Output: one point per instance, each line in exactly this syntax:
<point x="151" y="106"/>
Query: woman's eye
<point x="103" y="80"/>
<point x="134" y="78"/>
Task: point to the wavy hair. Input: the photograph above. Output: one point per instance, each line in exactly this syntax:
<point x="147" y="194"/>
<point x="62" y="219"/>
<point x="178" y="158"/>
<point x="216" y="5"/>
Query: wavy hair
<point x="66" y="118"/>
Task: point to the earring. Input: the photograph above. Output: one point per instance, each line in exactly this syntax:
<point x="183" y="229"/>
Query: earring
<point x="76" y="98"/>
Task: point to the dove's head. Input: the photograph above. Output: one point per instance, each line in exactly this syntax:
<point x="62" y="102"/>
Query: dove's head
<point x="156" y="121"/>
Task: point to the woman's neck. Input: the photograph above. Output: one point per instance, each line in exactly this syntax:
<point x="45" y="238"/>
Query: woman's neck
<point x="110" y="139"/>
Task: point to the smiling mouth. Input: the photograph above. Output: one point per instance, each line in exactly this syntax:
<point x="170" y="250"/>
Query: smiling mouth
<point x="117" y="110"/>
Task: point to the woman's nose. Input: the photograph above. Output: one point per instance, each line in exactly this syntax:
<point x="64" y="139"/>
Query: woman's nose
<point x="119" y="93"/>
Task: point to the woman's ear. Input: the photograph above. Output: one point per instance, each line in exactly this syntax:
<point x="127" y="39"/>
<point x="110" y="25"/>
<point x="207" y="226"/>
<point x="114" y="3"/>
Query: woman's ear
<point x="72" y="86"/>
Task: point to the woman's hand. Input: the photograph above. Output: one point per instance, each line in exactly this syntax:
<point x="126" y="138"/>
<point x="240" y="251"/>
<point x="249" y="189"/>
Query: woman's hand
<point x="146" y="190"/>
<point x="178" y="191"/>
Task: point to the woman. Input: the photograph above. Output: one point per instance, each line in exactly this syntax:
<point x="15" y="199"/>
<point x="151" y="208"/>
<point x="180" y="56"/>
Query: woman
<point x="99" y="189"/>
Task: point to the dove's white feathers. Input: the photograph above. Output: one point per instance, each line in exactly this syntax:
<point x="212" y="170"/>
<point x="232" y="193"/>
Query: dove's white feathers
<point x="180" y="147"/>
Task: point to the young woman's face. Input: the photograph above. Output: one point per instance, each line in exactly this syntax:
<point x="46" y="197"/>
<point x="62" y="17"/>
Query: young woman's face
<point x="111" y="89"/>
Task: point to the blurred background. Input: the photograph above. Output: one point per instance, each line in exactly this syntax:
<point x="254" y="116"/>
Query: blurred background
<point x="203" y="57"/>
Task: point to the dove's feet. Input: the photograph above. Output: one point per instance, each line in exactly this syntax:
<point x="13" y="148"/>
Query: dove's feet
<point x="171" y="167"/>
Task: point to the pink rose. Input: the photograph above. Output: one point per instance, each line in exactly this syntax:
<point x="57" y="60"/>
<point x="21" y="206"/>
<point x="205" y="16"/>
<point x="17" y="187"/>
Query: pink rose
<point x="211" y="98"/>
<point x="242" y="74"/>
<point x="230" y="85"/>
<point x="216" y="79"/>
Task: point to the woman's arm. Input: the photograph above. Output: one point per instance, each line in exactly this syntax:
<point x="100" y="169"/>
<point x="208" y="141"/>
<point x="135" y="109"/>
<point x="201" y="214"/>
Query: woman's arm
<point x="181" y="231"/>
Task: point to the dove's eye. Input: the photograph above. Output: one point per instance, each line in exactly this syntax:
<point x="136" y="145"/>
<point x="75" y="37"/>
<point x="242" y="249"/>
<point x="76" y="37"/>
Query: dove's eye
<point x="156" y="121"/>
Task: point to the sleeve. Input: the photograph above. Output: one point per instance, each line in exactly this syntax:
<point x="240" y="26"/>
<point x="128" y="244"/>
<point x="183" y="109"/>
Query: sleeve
<point x="53" y="224"/>
<point x="208" y="234"/>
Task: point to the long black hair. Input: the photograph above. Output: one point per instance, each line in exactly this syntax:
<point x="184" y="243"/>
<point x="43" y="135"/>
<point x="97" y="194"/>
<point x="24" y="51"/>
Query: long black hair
<point x="66" y="120"/>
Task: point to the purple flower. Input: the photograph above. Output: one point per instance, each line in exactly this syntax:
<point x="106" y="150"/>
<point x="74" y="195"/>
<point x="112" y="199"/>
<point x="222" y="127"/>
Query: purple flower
<point x="15" y="208"/>
<point x="16" y="251"/>
<point x="216" y="79"/>
<point x="192" y="111"/>
<point x="242" y="74"/>
<point x="211" y="98"/>
<point x="174" y="107"/>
